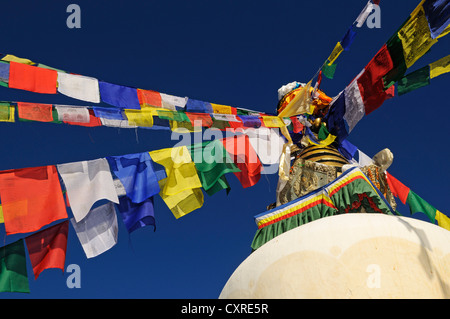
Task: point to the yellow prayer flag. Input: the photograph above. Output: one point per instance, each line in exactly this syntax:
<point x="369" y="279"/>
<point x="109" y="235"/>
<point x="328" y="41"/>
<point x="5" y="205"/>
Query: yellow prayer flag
<point x="416" y="37"/>
<point x="221" y="109"/>
<point x="1" y="215"/>
<point x="300" y="104"/>
<point x="440" y="67"/>
<point x="273" y="121"/>
<point x="335" y="53"/>
<point x="143" y="117"/>
<point x="443" y="221"/>
<point x="330" y="139"/>
<point x="13" y="58"/>
<point x="181" y="189"/>
<point x="7" y="113"/>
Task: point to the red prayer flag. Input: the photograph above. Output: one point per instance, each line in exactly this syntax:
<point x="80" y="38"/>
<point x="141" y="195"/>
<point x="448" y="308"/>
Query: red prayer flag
<point x="93" y="121"/>
<point x="32" y="78"/>
<point x="245" y="158"/>
<point x="47" y="248"/>
<point x="149" y="97"/>
<point x="397" y="188"/>
<point x="31" y="198"/>
<point x="35" y="111"/>
<point x="371" y="83"/>
<point x="205" y="119"/>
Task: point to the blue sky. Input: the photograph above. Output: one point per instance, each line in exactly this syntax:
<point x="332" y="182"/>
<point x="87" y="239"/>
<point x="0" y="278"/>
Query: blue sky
<point x="232" y="52"/>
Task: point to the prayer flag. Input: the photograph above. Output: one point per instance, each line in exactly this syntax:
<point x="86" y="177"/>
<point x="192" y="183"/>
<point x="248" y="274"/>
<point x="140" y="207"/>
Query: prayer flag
<point x="250" y="121"/>
<point x="4" y="73"/>
<point x="222" y="109"/>
<point x="141" y="118"/>
<point x="136" y="215"/>
<point x="31" y="198"/>
<point x="6" y="112"/>
<point x="200" y="119"/>
<point x="136" y="174"/>
<point x="92" y="122"/>
<point x="338" y="49"/>
<point x="68" y="113"/>
<point x="32" y="78"/>
<point x="212" y="162"/>
<point x="329" y="70"/>
<point x="79" y="87"/>
<point x="335" y="117"/>
<point x="440" y="67"/>
<point x="348" y="38"/>
<point x="437" y="13"/>
<point x="149" y="98"/>
<point x="398" y="189"/>
<point x="267" y="143"/>
<point x="416" y="37"/>
<point x="418" y="205"/>
<point x="245" y="158"/>
<point x="13" y="58"/>
<point x="354" y="105"/>
<point x="13" y="268"/>
<point x="300" y="104"/>
<point x="181" y="189"/>
<point x="443" y="220"/>
<point x="414" y="80"/>
<point x="86" y="183"/>
<point x="196" y="106"/>
<point x="273" y="121"/>
<point x="364" y="14"/>
<point x="98" y="231"/>
<point x="109" y="113"/>
<point x="172" y="102"/>
<point x="47" y="248"/>
<point x="35" y="112"/>
<point x="118" y="95"/>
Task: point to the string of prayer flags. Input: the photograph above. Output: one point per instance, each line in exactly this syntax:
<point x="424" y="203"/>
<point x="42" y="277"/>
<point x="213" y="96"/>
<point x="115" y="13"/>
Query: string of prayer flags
<point x="31" y="198"/>
<point x="212" y="162"/>
<point x="86" y="183"/>
<point x="13" y="268"/>
<point x="118" y="95"/>
<point x="98" y="231"/>
<point x="245" y="158"/>
<point x="47" y="248"/>
<point x="79" y="87"/>
<point x="414" y="80"/>
<point x="32" y="78"/>
<point x="181" y="189"/>
<point x="437" y="13"/>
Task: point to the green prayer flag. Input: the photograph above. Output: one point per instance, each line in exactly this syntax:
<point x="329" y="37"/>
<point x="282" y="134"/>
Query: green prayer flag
<point x="395" y="48"/>
<point x="13" y="268"/>
<point x="212" y="162"/>
<point x="414" y="80"/>
<point x="323" y="133"/>
<point x="418" y="205"/>
<point x="329" y="70"/>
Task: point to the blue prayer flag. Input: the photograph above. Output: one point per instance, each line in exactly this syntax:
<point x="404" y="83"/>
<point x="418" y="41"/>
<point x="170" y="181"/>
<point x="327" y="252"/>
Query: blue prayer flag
<point x="438" y="15"/>
<point x="135" y="215"/>
<point x="196" y="106"/>
<point x="118" y="95"/>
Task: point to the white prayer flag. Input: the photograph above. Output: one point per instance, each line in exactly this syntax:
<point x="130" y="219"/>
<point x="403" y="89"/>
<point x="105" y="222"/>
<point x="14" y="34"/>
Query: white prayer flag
<point x="87" y="182"/>
<point x="79" y="87"/>
<point x="97" y="232"/>
<point x="72" y="114"/>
